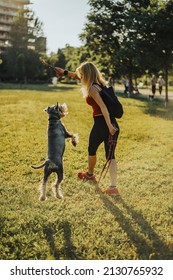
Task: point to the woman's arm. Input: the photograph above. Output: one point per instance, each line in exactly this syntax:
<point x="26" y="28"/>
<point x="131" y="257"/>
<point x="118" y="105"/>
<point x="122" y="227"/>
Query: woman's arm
<point x="61" y="72"/>
<point x="94" y="93"/>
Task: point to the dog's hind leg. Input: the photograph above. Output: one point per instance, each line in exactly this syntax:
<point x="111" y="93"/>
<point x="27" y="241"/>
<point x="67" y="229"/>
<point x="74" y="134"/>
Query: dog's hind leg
<point x="56" y="186"/>
<point x="42" y="190"/>
<point x="42" y="187"/>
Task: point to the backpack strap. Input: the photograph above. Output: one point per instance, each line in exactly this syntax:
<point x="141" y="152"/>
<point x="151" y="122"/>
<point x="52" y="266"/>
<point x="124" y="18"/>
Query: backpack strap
<point x="98" y="86"/>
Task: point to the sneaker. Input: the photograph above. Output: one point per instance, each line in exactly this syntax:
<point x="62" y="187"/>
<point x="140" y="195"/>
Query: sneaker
<point x="86" y="176"/>
<point x="112" y="191"/>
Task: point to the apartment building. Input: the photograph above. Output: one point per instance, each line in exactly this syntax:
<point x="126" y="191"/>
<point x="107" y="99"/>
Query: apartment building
<point x="8" y="10"/>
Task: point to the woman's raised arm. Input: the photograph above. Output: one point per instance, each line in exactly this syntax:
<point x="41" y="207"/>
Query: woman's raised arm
<point x="62" y="72"/>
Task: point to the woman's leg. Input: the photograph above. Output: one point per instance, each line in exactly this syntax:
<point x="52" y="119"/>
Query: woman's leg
<point x="95" y="139"/>
<point x="113" y="173"/>
<point x="110" y="154"/>
<point x="91" y="164"/>
<point x="112" y="188"/>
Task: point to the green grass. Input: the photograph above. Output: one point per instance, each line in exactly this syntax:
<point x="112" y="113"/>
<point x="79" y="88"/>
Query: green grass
<point x="85" y="224"/>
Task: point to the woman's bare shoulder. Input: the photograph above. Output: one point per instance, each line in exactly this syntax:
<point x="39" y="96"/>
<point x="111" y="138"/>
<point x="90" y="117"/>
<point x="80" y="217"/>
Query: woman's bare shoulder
<point x="94" y="89"/>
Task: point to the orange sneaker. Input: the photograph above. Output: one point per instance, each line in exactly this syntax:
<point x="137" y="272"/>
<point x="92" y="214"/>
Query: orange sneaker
<point x="112" y="191"/>
<point x="86" y="176"/>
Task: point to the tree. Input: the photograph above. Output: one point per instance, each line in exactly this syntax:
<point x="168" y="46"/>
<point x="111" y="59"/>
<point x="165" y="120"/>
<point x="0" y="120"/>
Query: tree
<point x="22" y="38"/>
<point x="154" y="26"/>
<point x="132" y="36"/>
<point x="164" y="39"/>
<point x="110" y="23"/>
<point x="71" y="57"/>
<point x="103" y="30"/>
<point x="61" y="59"/>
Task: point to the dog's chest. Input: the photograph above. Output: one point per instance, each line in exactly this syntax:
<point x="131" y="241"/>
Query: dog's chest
<point x="56" y="129"/>
<point x="56" y="140"/>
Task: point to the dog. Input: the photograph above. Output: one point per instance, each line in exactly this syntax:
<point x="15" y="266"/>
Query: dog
<point x="57" y="134"/>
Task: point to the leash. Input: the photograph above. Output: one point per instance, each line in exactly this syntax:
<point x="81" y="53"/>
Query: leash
<point x="112" y="144"/>
<point x="59" y="75"/>
<point x="49" y="66"/>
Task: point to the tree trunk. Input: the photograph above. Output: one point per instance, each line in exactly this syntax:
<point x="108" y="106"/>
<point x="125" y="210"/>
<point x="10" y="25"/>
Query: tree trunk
<point x="166" y="85"/>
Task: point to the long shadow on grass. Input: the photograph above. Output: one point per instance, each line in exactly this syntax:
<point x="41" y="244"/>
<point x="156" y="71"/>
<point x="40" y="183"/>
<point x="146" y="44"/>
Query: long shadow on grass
<point x="157" y="109"/>
<point x="68" y="251"/>
<point x="37" y="87"/>
<point x="49" y="233"/>
<point x="154" y="108"/>
<point x="152" y="247"/>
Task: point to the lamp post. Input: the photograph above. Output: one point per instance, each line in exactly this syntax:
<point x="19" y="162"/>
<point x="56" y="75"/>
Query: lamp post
<point x="166" y="61"/>
<point x="166" y="77"/>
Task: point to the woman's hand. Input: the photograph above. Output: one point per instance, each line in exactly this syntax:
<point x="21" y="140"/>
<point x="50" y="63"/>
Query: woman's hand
<point x="60" y="72"/>
<point x="112" y="129"/>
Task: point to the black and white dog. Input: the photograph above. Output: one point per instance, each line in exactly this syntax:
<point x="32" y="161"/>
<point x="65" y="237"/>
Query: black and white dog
<point x="57" y="134"/>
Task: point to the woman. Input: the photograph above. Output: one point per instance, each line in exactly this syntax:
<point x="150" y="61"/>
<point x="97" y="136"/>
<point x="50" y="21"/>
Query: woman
<point x="153" y="87"/>
<point x="92" y="80"/>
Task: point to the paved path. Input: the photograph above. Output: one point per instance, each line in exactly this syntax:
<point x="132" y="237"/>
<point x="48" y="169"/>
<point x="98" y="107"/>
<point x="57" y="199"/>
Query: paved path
<point x="145" y="92"/>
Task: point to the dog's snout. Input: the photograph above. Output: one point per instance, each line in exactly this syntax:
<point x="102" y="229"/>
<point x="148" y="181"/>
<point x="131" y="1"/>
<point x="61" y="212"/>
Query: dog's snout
<point x="46" y="109"/>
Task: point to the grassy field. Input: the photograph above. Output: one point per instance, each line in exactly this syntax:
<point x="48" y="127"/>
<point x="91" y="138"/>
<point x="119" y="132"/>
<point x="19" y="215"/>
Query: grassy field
<point x="85" y="225"/>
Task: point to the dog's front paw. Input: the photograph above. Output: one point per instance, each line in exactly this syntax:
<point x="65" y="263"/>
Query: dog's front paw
<point x="75" y="139"/>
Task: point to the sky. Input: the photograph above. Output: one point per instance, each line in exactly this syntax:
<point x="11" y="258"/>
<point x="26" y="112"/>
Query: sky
<point x="63" y="21"/>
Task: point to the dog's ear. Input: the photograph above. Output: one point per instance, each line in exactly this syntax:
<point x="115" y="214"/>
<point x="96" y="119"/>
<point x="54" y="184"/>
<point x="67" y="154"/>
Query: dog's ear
<point x="46" y="109"/>
<point x="57" y="105"/>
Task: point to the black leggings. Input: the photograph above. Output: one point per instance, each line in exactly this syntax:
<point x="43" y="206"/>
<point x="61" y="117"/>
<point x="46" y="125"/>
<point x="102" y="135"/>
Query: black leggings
<point x="100" y="133"/>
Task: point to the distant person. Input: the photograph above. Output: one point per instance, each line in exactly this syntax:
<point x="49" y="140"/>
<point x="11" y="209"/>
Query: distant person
<point x="110" y="81"/>
<point x="126" y="85"/>
<point x="104" y="77"/>
<point x="153" y="87"/>
<point x="161" y="82"/>
<point x="135" y="89"/>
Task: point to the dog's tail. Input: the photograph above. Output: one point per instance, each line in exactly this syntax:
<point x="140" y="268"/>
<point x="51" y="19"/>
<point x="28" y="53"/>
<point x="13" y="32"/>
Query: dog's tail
<point x="40" y="166"/>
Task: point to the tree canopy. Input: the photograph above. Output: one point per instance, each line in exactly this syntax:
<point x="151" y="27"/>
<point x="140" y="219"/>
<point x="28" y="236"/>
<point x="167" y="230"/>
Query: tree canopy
<point x="22" y="59"/>
<point x="124" y="38"/>
<point x="131" y="36"/>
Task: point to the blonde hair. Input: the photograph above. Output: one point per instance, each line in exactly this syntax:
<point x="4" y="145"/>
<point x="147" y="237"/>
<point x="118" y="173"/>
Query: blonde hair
<point x="89" y="74"/>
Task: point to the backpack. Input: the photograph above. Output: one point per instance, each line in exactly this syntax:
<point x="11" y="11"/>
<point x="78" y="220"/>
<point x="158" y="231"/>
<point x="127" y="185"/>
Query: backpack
<point x="111" y="101"/>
